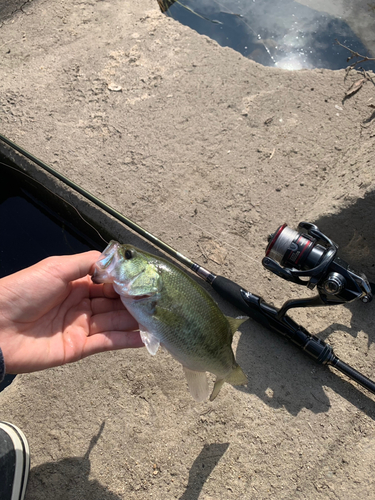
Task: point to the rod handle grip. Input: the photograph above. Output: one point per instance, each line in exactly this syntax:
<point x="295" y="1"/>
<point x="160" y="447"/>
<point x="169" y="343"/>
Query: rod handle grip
<point x="229" y="290"/>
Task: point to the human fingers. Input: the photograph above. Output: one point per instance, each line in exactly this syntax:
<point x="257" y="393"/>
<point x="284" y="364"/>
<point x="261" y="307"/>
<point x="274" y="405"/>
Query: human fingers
<point x="110" y="341"/>
<point x="70" y="267"/>
<point x="103" y="290"/>
<point x="33" y="285"/>
<point x="120" y="320"/>
<point x="102" y="305"/>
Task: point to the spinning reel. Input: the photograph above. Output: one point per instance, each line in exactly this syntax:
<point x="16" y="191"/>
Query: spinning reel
<point x="309" y="258"/>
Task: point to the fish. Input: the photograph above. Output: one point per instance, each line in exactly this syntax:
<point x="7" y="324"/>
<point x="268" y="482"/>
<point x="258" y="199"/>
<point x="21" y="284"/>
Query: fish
<point x="175" y="312"/>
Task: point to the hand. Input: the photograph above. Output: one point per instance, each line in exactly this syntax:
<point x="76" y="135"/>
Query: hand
<point x="51" y="314"/>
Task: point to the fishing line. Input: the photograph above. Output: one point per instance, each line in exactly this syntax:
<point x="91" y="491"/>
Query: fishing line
<point x="96" y="201"/>
<point x="96" y="230"/>
<point x="205" y="231"/>
<point x="128" y="222"/>
<point x="145" y="197"/>
<point x="134" y="226"/>
<point x="9" y="41"/>
<point x="165" y="5"/>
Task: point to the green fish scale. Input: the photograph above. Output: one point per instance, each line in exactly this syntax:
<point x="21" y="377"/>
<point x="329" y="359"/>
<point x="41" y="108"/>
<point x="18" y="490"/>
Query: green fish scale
<point x="186" y="321"/>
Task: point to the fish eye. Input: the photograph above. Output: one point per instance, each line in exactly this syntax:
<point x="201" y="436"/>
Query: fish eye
<point x="129" y="254"/>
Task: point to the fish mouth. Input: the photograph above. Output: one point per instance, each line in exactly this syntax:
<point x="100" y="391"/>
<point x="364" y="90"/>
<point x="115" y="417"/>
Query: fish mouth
<point x="139" y="298"/>
<point x="104" y="266"/>
<point x="100" y="276"/>
<point x="96" y="279"/>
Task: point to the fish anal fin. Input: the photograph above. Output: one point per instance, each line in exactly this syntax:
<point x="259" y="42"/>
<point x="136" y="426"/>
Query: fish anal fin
<point x="198" y="384"/>
<point x="235" y="323"/>
<point x="150" y="341"/>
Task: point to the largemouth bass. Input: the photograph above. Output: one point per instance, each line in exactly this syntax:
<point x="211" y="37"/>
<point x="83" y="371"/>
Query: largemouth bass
<point x="172" y="310"/>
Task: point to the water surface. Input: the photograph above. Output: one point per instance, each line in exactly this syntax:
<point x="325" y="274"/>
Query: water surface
<point x="284" y="33"/>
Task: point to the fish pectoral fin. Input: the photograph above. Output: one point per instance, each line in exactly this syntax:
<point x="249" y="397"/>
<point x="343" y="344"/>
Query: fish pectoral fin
<point x="236" y="377"/>
<point x="150" y="341"/>
<point x="235" y="323"/>
<point x="198" y="384"/>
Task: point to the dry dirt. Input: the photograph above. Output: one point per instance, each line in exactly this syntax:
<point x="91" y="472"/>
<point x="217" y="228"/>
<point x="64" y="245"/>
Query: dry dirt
<point x="211" y="152"/>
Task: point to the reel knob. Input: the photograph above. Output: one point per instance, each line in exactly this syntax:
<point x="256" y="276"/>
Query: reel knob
<point x="333" y="284"/>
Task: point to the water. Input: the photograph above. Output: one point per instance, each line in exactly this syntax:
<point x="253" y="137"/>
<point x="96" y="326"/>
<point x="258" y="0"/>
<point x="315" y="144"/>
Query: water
<point x="33" y="229"/>
<point x="285" y="33"/>
<point x="35" y="224"/>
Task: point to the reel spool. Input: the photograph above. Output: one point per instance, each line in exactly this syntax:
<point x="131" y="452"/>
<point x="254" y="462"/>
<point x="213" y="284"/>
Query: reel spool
<point x="293" y="249"/>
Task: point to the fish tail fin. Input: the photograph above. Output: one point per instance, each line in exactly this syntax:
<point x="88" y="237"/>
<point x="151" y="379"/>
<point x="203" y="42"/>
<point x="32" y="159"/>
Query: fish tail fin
<point x="198" y="384"/>
<point x="236" y="377"/>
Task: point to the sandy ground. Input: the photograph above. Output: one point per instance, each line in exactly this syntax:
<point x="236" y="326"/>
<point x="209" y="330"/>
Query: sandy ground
<point x="211" y="152"/>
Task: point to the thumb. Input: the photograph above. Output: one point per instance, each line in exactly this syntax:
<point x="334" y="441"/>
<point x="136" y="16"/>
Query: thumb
<point x="70" y="267"/>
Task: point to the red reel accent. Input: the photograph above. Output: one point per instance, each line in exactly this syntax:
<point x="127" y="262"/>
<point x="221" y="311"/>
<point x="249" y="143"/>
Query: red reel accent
<point x="273" y="241"/>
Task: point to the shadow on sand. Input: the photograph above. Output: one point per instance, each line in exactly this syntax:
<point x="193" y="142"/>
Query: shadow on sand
<point x="67" y="479"/>
<point x="201" y="469"/>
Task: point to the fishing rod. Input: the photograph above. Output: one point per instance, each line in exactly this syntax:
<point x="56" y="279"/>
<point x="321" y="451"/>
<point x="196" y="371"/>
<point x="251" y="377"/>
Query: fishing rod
<point x="306" y="257"/>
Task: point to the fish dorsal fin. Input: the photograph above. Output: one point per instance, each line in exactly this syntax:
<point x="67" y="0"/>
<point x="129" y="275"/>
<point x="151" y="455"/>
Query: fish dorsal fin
<point x="198" y="384"/>
<point x="235" y="323"/>
<point x="150" y="341"/>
